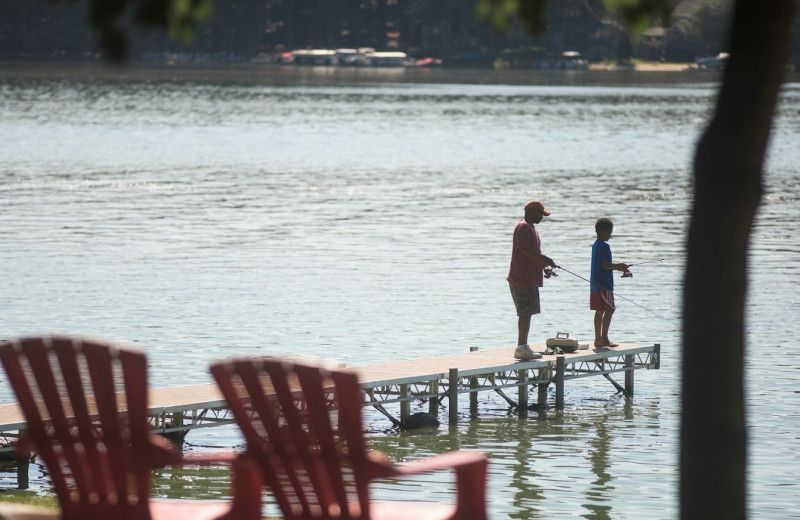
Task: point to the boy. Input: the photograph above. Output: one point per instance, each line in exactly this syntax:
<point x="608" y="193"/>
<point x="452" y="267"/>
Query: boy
<point x="601" y="296"/>
<point x="526" y="273"/>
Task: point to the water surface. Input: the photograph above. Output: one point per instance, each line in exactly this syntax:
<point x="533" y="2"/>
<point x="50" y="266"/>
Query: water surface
<point x="366" y="216"/>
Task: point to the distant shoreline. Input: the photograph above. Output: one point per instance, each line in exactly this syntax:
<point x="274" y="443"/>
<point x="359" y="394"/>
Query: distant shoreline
<point x="284" y="75"/>
<point x="603" y="66"/>
<point x="271" y="73"/>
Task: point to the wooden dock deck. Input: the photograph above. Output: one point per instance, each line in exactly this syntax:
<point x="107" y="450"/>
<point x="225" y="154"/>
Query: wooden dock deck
<point x="402" y="382"/>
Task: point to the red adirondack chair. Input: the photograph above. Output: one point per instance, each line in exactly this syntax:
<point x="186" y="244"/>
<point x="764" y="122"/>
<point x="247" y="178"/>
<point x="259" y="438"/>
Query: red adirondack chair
<point x="85" y="403"/>
<point x="303" y="428"/>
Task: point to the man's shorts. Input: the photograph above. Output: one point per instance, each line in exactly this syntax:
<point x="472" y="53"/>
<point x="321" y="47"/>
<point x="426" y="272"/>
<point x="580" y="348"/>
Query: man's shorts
<point x="526" y="300"/>
<point x="601" y="300"/>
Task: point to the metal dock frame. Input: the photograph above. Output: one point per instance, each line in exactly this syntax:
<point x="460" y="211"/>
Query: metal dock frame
<point x="557" y="369"/>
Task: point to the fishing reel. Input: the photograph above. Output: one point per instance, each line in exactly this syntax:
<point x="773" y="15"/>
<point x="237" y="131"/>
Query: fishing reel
<point x="627" y="274"/>
<point x="549" y="271"/>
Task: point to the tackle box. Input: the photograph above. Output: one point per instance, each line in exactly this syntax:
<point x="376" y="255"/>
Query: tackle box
<point x="563" y="341"/>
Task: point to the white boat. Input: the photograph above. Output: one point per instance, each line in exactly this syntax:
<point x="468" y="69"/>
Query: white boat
<point x="315" y="57"/>
<point x="387" y="59"/>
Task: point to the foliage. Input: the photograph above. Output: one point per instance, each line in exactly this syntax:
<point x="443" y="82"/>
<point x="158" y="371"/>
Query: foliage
<point x="637" y="14"/>
<point x="109" y="19"/>
<point x="640" y="14"/>
<point x="502" y="13"/>
<point x="709" y="24"/>
<point x="243" y="29"/>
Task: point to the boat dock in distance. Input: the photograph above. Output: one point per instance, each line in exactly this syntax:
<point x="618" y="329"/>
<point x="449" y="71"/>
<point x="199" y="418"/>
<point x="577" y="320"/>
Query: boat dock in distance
<point x="438" y="380"/>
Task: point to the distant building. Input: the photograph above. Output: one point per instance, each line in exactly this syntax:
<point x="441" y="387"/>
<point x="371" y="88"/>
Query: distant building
<point x="652" y="44"/>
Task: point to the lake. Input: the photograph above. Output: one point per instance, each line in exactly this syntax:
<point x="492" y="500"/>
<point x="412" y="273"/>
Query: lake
<point x="361" y="215"/>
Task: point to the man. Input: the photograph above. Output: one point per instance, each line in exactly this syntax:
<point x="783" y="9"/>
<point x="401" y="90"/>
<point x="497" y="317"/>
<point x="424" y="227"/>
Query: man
<point x="526" y="274"/>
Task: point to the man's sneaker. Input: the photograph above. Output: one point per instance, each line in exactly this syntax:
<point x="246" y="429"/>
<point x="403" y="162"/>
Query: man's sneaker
<point x="524" y="352"/>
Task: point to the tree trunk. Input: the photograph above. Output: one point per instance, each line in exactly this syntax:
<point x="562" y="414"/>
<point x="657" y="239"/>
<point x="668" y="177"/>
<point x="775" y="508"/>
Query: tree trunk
<point x="728" y="184"/>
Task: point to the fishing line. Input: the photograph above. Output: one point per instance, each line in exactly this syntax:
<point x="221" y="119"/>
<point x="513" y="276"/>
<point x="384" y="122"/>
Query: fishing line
<point x="619" y="296"/>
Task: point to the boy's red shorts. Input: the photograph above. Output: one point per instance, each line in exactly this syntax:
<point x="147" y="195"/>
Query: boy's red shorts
<point x="601" y="300"/>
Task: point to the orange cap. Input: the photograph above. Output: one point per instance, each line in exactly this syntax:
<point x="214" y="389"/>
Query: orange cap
<point x="535" y="204"/>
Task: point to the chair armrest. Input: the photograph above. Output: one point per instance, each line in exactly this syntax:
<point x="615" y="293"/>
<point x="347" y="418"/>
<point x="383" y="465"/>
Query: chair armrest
<point x="471" y="473"/>
<point x="246" y="483"/>
<point x="164" y="453"/>
<point x="246" y="487"/>
<point x="451" y="460"/>
<point x="214" y="457"/>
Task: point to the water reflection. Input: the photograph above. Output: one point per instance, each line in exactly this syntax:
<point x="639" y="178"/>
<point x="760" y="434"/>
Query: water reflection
<point x="554" y="464"/>
<point x="524" y="480"/>
<point x="597" y="501"/>
<point x="206" y="482"/>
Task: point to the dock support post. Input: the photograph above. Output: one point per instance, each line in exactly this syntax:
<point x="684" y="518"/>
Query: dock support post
<point x="657" y="347"/>
<point x="629" y="376"/>
<point x="405" y="404"/>
<point x="23" y="465"/>
<point x="522" y="392"/>
<point x="473" y="395"/>
<point x="542" y="397"/>
<point x="452" y="393"/>
<point x="561" y="366"/>
<point x="433" y="402"/>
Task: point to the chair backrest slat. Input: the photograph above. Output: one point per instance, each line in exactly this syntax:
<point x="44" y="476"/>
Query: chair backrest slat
<point x="113" y="438"/>
<point x="134" y="373"/>
<point x="328" y="466"/>
<point x="23" y="382"/>
<point x="312" y="436"/>
<point x="351" y="423"/>
<point x="94" y="474"/>
<point x="283" y="424"/>
<point x="269" y="435"/>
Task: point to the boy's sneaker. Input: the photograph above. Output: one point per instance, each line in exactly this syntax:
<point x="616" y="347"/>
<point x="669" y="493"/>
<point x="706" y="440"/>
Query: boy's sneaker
<point x="524" y="352"/>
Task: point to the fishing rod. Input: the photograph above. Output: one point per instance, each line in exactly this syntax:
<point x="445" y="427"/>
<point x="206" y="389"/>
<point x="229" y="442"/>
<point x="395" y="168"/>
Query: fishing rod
<point x="653" y="261"/>
<point x="619" y="296"/>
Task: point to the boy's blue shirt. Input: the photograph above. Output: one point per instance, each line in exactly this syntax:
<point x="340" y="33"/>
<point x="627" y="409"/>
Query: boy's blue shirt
<point x="601" y="279"/>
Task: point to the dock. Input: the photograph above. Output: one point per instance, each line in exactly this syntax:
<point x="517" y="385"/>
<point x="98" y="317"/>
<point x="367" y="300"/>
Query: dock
<point x="438" y="380"/>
